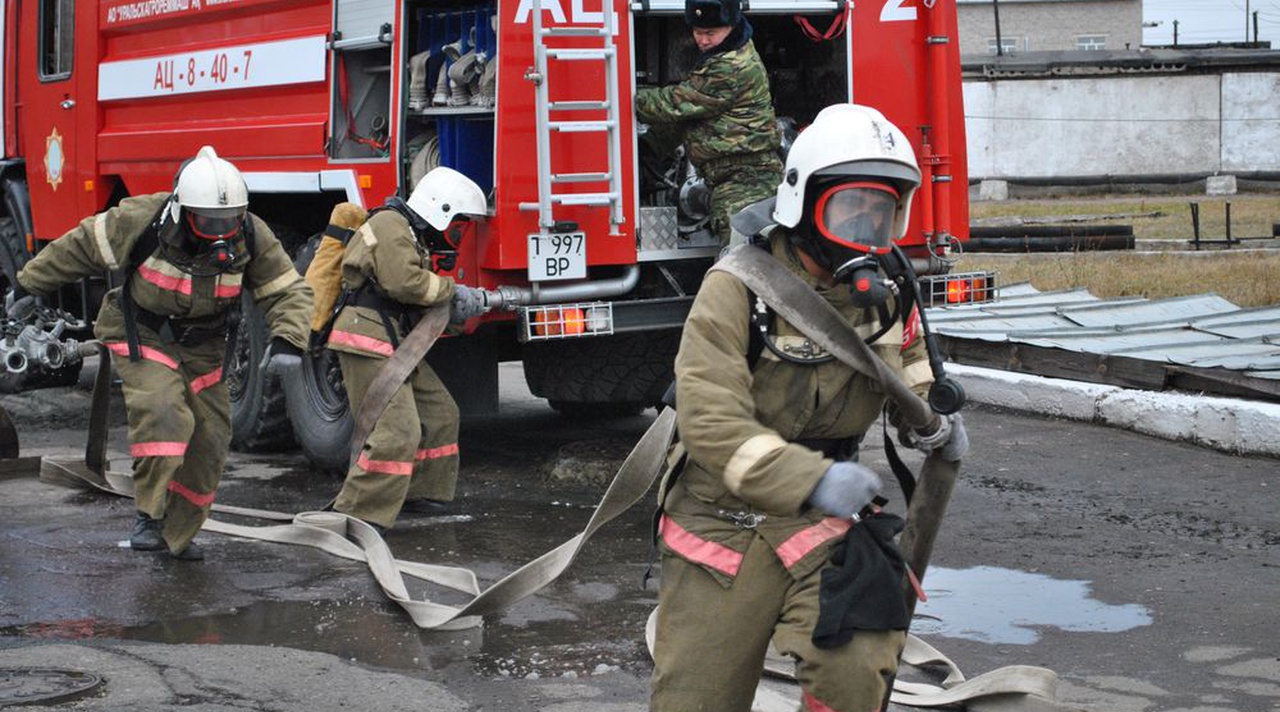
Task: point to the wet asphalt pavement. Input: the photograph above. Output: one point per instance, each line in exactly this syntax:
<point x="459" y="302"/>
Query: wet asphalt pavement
<point x="1143" y="572"/>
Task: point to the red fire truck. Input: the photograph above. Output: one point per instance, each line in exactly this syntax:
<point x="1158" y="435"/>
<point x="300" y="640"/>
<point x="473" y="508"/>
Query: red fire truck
<point x="595" y="241"/>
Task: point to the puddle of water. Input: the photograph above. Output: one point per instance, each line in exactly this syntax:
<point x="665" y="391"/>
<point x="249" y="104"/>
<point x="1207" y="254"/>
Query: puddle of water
<point x="995" y="605"/>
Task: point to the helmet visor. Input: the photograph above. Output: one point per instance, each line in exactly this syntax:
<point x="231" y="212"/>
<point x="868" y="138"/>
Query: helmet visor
<point x="215" y="223"/>
<point x="858" y="215"/>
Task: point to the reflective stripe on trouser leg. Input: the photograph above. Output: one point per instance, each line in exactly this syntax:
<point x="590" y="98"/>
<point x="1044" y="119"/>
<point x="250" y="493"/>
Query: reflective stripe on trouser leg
<point x="711" y="640"/>
<point x="160" y="427"/>
<point x="851" y="678"/>
<point x="178" y="433"/>
<point x="435" y="472"/>
<point x="192" y="490"/>
<point x="377" y="482"/>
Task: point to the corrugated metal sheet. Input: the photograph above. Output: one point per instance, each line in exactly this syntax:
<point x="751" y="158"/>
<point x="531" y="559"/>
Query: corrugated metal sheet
<point x="1204" y="332"/>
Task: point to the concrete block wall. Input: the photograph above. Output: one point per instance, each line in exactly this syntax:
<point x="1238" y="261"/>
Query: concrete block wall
<point x="1126" y="125"/>
<point x="1049" y="25"/>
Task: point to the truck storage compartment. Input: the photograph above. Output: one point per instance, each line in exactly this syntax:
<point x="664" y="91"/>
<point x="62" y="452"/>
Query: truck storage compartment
<point x="451" y="56"/>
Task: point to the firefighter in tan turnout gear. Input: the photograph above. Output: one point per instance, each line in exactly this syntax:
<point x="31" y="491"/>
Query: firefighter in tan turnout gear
<point x="770" y="485"/>
<point x="186" y="257"/>
<point x="410" y="460"/>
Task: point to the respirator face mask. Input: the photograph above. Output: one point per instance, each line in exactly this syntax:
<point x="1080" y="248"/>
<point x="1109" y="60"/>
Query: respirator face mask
<point x="854" y="224"/>
<point x="205" y="241"/>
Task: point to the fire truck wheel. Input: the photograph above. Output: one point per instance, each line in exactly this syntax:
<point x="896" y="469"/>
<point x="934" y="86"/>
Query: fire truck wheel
<point x="13" y="253"/>
<point x="319" y="413"/>
<point x="607" y="376"/>
<point x="258" y="416"/>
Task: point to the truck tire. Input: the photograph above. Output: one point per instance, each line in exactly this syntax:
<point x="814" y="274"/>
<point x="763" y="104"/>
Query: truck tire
<point x="600" y="377"/>
<point x="259" y="420"/>
<point x="318" y="411"/>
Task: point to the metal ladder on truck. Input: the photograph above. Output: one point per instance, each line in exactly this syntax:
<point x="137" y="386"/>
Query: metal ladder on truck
<point x="546" y="125"/>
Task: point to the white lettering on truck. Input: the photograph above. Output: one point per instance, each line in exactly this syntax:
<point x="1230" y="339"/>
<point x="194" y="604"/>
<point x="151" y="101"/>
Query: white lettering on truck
<point x="263" y="64"/>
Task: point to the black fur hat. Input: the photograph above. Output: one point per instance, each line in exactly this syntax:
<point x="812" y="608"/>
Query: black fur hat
<point x="712" y="13"/>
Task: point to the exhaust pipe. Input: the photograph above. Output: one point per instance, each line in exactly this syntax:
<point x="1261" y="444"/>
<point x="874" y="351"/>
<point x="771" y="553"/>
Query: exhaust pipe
<point x="509" y="297"/>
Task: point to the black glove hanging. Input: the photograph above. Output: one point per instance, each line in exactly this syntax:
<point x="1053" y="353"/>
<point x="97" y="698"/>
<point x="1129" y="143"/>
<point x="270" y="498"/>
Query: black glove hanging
<point x="863" y="589"/>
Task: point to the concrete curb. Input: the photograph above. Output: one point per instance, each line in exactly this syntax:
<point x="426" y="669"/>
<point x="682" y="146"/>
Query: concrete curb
<point x="1226" y="424"/>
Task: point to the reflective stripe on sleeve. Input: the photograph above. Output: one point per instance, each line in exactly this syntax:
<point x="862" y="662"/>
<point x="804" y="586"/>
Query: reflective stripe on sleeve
<point x="798" y="545"/>
<point x="104" y="244"/>
<point x="699" y="550"/>
<point x="746" y="457"/>
<point x="279" y="284"/>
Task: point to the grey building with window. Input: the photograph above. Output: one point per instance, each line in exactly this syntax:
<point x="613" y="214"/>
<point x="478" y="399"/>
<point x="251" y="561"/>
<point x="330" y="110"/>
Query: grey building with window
<point x="1049" y="25"/>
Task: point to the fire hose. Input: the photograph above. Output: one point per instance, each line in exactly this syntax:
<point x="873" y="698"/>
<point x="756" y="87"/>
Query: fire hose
<point x="350" y="538"/>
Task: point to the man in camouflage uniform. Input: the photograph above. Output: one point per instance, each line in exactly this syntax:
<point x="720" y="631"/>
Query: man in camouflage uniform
<point x="722" y="111"/>
<point x="410" y="459"/>
<point x="770" y="484"/>
<point x="187" y="257"/>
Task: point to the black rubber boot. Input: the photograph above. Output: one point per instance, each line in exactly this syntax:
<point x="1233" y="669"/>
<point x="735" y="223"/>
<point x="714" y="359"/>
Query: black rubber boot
<point x="147" y="534"/>
<point x="193" y="552"/>
<point x="424" y="507"/>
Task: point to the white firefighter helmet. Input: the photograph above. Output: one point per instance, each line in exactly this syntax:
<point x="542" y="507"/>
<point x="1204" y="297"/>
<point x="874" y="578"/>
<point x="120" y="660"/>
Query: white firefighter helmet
<point x="212" y="195"/>
<point x="444" y="193"/>
<point x="852" y="142"/>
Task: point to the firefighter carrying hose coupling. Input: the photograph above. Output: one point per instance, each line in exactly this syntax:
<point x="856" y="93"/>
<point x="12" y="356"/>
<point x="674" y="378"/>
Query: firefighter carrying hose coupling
<point x="186" y="258"/>
<point x="770" y="528"/>
<point x="410" y="461"/>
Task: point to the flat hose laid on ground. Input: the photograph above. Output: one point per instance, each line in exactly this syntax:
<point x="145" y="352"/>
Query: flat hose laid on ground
<point x="351" y="538"/>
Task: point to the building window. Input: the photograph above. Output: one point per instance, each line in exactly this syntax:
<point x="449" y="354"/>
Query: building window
<point x="1009" y="45"/>
<point x="56" y="38"/>
<point x="1091" y="42"/>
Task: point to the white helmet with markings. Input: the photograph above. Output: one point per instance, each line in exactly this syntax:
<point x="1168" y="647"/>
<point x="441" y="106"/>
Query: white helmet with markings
<point x="850" y="160"/>
<point x="443" y="194"/>
<point x="211" y="196"/>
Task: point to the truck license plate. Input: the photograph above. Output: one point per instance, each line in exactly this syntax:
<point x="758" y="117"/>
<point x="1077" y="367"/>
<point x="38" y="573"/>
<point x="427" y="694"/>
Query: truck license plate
<point x="557" y="256"/>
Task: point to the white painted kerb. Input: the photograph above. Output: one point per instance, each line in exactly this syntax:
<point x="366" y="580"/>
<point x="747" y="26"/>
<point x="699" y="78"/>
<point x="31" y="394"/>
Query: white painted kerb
<point x="1228" y="424"/>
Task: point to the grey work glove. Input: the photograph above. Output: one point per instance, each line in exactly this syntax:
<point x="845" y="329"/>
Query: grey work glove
<point x="950" y="439"/>
<point x="467" y="303"/>
<point x="20" y="307"/>
<point x="281" y="357"/>
<point x="845" y="489"/>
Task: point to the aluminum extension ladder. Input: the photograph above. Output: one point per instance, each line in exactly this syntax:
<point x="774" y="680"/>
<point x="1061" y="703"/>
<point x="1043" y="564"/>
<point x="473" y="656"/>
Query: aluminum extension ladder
<point x="547" y="181"/>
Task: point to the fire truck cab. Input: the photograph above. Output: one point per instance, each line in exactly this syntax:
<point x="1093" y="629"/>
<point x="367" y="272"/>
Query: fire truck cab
<point x="595" y="241"/>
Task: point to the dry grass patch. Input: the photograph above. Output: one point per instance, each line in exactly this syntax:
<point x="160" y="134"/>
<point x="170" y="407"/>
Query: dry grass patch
<point x="1156" y="217"/>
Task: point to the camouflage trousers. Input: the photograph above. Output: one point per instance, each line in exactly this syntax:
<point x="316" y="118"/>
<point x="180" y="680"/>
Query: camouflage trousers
<point x="179" y="430"/>
<point x="738" y="184"/>
<point x="711" y="640"/>
<point x="412" y="452"/>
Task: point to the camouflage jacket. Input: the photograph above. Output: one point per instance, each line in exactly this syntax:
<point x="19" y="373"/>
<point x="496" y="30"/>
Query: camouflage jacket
<point x="724" y="108"/>
<point x="746" y="473"/>
<point x="384" y="255"/>
<point x="103" y="242"/>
